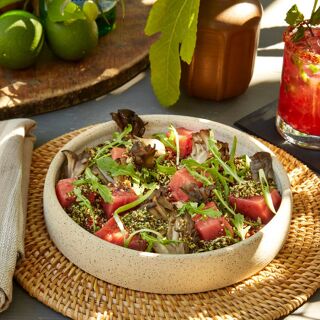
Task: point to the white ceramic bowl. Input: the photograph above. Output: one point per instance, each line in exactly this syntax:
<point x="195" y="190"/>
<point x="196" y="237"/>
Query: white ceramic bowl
<point x="162" y="273"/>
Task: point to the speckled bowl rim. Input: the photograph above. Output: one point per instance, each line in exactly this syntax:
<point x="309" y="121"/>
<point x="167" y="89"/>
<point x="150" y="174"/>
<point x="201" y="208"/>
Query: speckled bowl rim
<point x="286" y="203"/>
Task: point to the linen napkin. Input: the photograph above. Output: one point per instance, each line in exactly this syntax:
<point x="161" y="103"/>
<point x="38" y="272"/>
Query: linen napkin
<point x="16" y="144"/>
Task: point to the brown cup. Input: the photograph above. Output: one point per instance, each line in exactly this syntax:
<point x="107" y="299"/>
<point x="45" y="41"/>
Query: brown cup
<point x="227" y="38"/>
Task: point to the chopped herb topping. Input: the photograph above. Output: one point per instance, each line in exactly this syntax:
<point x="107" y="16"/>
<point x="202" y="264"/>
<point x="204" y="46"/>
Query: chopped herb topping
<point x="246" y="189"/>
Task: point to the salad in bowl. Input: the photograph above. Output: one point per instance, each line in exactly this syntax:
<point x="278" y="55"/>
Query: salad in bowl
<point x="179" y="191"/>
<point x="167" y="204"/>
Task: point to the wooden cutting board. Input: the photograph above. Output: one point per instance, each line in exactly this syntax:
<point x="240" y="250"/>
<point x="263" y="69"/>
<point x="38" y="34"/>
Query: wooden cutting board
<point x="54" y="84"/>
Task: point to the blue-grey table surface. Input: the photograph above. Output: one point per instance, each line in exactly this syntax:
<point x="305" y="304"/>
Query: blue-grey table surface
<point x="138" y="95"/>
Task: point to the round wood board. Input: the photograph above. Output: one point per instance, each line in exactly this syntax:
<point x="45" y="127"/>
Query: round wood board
<point x="53" y="84"/>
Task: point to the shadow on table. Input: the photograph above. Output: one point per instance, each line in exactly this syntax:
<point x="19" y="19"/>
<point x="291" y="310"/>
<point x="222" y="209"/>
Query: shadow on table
<point x="270" y="53"/>
<point x="270" y="37"/>
<point x="266" y="3"/>
<point x="257" y="94"/>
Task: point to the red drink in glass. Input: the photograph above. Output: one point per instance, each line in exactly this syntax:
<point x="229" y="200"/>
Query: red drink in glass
<point x="298" y="118"/>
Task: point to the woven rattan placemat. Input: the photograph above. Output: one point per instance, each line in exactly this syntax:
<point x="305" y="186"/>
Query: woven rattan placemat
<point x="288" y="281"/>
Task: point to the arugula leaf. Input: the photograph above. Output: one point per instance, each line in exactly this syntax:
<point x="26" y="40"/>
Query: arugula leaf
<point x="266" y="191"/>
<point x="238" y="222"/>
<point x="92" y="180"/>
<point x="223" y="202"/>
<point x="84" y="201"/>
<point x="118" y="140"/>
<point x="189" y="207"/>
<point x="139" y="189"/>
<point x="199" y="176"/>
<point x="152" y="240"/>
<point x="135" y="203"/>
<point x="170" y="171"/>
<point x="177" y="21"/>
<point x="164" y="169"/>
<point x="111" y="166"/>
<point x="118" y="136"/>
<point x="233" y="153"/>
<point x="214" y="150"/>
<point x="103" y="190"/>
<point x="167" y="141"/>
<point x="145" y="235"/>
<point x="147" y="177"/>
<point x="294" y="16"/>
<point x="176" y="137"/>
<point x="192" y="166"/>
<point x="219" y="177"/>
<point x="171" y="142"/>
<point x="228" y="233"/>
<point x="193" y="208"/>
<point x="245" y="167"/>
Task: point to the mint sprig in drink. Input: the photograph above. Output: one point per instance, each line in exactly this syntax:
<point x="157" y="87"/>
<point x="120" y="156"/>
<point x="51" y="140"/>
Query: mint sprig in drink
<point x="298" y="118"/>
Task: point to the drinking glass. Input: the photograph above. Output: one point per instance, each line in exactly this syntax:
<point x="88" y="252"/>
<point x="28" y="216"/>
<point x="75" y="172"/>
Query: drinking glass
<point x="298" y="115"/>
<point x="106" y="20"/>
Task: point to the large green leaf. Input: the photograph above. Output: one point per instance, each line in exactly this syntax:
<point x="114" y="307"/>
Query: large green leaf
<point x="189" y="41"/>
<point x="155" y="18"/>
<point x="177" y="22"/>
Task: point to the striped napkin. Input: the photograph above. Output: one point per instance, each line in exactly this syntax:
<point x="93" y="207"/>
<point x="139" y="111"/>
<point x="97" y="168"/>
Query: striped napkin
<point x="16" y="144"/>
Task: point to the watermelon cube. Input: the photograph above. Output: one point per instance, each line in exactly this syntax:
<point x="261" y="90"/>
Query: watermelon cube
<point x="120" y="198"/>
<point x="110" y="232"/>
<point x="255" y="207"/>
<point x="182" y="178"/>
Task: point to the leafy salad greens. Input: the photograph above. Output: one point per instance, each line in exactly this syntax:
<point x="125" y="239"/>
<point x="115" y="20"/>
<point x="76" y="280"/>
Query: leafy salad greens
<point x="175" y="192"/>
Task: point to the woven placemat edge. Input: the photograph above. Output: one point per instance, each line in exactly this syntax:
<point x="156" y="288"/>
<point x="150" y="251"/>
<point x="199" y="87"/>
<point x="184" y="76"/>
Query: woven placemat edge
<point x="306" y="296"/>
